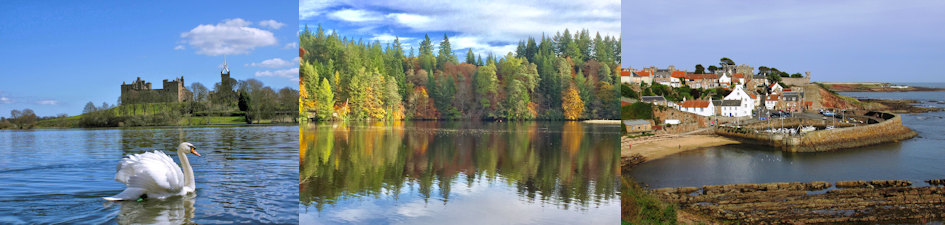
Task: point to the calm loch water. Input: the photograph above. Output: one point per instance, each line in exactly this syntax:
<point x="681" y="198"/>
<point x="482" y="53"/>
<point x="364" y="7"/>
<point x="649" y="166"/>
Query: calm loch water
<point x="459" y="173"/>
<point x="247" y="175"/>
<point x="917" y="159"/>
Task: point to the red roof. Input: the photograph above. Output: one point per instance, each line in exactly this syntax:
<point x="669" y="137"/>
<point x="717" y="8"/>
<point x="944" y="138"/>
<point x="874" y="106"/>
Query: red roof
<point x="787" y="89"/>
<point x="738" y="75"/>
<point x="678" y="74"/>
<point x="772" y="85"/>
<point x="696" y="104"/>
<point x="624" y="73"/>
<point x="692" y="76"/>
<point x="643" y="73"/>
<point x="772" y="98"/>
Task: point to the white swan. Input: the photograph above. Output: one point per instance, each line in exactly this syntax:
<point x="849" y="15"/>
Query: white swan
<point x="155" y="175"/>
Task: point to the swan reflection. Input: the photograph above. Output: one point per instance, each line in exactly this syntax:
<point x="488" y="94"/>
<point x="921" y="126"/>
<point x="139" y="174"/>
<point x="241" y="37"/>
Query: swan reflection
<point x="173" y="210"/>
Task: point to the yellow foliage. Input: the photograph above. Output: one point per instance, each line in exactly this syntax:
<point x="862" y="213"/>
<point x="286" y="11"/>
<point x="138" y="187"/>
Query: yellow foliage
<point x="373" y="105"/>
<point x="571" y="103"/>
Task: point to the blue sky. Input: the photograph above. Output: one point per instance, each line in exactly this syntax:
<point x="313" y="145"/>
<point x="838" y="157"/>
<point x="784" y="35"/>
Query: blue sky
<point x="888" y="41"/>
<point x="485" y="26"/>
<point x="58" y="55"/>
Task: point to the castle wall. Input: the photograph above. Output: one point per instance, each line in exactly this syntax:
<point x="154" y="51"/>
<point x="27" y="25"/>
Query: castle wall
<point x="140" y="91"/>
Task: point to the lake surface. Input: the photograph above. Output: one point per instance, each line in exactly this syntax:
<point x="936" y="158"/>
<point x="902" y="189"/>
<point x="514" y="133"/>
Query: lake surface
<point x="248" y="174"/>
<point x="916" y="159"/>
<point x="459" y="173"/>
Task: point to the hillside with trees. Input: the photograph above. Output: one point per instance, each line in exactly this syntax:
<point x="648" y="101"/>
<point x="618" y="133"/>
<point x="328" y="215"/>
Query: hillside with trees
<point x="229" y="102"/>
<point x="564" y="76"/>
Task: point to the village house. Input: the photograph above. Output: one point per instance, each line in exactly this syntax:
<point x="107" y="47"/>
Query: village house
<point x="699" y="107"/>
<point x="792" y="101"/>
<point x="775" y="88"/>
<point x="704" y="81"/>
<point x="772" y="101"/>
<point x="733" y="108"/>
<point x="744" y="106"/>
<point x="642" y="77"/>
<point x="638" y="126"/>
<point x="625" y="76"/>
<point x="725" y="81"/>
<point x="739" y="79"/>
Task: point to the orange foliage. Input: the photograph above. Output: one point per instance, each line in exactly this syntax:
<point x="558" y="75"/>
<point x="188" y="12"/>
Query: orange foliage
<point x="423" y="104"/>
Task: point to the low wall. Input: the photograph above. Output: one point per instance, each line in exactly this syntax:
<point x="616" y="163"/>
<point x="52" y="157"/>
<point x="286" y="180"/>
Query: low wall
<point x="890" y="130"/>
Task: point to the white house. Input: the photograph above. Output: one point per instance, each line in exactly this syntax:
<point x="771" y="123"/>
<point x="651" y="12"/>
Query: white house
<point x="775" y="88"/>
<point x="699" y="107"/>
<point x="625" y="77"/>
<point x="771" y="101"/>
<point x="724" y="80"/>
<point x="733" y="108"/>
<point x="745" y="105"/>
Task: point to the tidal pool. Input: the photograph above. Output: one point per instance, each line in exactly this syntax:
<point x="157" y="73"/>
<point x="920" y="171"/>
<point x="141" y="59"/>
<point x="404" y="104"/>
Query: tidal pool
<point x="428" y="172"/>
<point x="247" y="175"/>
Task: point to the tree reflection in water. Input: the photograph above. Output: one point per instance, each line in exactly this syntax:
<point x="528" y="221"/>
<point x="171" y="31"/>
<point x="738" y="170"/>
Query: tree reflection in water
<point x="567" y="164"/>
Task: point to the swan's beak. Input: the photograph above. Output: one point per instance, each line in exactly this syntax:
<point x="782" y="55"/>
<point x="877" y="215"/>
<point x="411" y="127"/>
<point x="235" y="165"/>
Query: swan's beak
<point x="194" y="150"/>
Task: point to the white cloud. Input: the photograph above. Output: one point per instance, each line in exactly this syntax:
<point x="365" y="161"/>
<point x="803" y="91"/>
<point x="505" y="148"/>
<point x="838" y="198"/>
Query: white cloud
<point x="355" y="15"/>
<point x="179" y="47"/>
<point x="274" y="63"/>
<point x="271" y="24"/>
<point x="48" y="102"/>
<point x="410" y="20"/>
<point x="493" y="24"/>
<point x="389" y="38"/>
<point x="291" y="45"/>
<point x="5" y="100"/>
<point x="312" y="8"/>
<point x="480" y="46"/>
<point x="232" y="36"/>
<point x="291" y="73"/>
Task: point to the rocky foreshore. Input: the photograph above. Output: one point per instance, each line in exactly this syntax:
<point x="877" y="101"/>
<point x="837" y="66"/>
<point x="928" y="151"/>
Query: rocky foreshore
<point x="879" y="201"/>
<point x="902" y="105"/>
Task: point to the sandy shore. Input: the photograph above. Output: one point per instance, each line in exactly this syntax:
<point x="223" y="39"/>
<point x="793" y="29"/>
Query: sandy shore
<point x="602" y="121"/>
<point x="655" y="147"/>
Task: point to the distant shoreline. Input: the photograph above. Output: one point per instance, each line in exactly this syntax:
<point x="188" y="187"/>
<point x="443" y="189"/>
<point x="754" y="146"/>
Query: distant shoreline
<point x="874" y="87"/>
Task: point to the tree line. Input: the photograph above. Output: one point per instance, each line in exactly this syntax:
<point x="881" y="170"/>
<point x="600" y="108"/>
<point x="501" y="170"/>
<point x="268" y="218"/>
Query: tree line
<point x="565" y="76"/>
<point x="250" y="99"/>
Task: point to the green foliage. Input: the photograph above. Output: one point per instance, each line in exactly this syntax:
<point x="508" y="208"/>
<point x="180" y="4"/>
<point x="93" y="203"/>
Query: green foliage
<point x="628" y="92"/>
<point x="637" y="110"/>
<point x="324" y="99"/>
<point x="699" y="69"/>
<point x="640" y="207"/>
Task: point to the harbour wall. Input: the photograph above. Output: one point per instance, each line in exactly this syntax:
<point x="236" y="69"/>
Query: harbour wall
<point x="890" y="130"/>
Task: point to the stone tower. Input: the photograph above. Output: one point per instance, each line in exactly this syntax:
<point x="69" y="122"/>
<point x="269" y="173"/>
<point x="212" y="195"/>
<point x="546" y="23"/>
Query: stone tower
<point x="225" y="73"/>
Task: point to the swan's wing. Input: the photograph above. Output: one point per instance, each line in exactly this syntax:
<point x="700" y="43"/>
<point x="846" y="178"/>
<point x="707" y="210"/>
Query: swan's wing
<point x="152" y="171"/>
<point x="129" y="193"/>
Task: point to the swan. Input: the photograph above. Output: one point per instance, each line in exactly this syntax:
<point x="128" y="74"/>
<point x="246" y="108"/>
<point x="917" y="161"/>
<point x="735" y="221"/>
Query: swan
<point x="155" y="175"/>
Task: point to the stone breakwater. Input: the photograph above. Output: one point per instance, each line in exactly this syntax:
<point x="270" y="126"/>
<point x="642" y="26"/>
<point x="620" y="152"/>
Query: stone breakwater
<point x="890" y="130"/>
<point x="881" y="201"/>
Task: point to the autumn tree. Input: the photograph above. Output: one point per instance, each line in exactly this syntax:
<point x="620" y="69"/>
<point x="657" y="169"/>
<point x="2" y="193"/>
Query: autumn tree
<point x="571" y="103"/>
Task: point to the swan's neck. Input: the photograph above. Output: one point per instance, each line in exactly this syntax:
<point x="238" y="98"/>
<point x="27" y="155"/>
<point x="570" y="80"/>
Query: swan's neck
<point x="188" y="171"/>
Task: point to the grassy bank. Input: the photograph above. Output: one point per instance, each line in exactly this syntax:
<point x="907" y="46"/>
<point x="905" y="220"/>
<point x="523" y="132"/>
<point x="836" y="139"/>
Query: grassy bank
<point x="214" y="120"/>
<point x="639" y="207"/>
